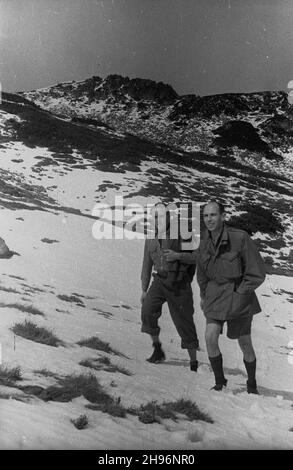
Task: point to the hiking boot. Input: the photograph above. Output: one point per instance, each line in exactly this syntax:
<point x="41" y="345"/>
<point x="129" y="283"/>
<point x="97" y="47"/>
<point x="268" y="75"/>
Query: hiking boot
<point x="194" y="365"/>
<point x="218" y="387"/>
<point x="158" y="354"/>
<point x="251" y="387"/>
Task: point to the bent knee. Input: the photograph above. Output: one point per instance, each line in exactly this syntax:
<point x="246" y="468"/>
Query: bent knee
<point x="211" y="337"/>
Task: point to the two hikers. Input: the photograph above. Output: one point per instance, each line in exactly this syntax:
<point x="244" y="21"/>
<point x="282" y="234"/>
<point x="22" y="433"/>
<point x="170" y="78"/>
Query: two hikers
<point x="229" y="269"/>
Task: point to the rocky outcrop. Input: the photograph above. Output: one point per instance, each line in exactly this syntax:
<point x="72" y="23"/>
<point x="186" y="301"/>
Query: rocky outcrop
<point x="242" y="134"/>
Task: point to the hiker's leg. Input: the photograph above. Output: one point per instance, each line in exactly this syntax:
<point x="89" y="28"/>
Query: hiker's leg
<point x="249" y="360"/>
<point x="246" y="346"/>
<point x="181" y="309"/>
<point x="155" y="338"/>
<point x="192" y="352"/>
<point x="151" y="311"/>
<point x="213" y="331"/>
<point x="241" y="329"/>
<point x="193" y="359"/>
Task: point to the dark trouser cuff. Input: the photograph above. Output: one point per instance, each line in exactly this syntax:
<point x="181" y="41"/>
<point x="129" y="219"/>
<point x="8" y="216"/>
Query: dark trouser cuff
<point x="193" y="345"/>
<point x="150" y="331"/>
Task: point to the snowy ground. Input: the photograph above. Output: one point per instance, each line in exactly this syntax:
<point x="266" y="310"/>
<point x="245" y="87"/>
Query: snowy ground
<point x="59" y="256"/>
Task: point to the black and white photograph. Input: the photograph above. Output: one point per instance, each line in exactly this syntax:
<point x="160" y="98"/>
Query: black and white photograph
<point x="146" y="242"/>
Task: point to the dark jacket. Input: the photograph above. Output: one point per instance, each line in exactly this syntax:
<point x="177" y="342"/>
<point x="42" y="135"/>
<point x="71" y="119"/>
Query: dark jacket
<point x="171" y="272"/>
<point x="228" y="275"/>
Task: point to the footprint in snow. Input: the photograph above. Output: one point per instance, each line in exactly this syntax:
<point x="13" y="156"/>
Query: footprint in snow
<point x="126" y="306"/>
<point x="49" y="240"/>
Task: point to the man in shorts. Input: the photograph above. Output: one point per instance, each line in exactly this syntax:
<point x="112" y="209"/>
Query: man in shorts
<point x="173" y="270"/>
<point x="229" y="269"/>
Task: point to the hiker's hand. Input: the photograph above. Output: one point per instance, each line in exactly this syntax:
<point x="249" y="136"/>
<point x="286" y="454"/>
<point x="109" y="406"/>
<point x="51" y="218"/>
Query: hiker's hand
<point x="143" y="296"/>
<point x="171" y="255"/>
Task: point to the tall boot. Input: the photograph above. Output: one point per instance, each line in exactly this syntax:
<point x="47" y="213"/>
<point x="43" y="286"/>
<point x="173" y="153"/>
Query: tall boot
<point x="194" y="365"/>
<point x="158" y="354"/>
<point x="251" y="382"/>
<point x="217" y="366"/>
<point x="193" y="359"/>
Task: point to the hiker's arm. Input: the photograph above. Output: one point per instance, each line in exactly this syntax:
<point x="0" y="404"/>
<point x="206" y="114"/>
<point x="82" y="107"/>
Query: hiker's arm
<point x="147" y="266"/>
<point x="254" y="267"/>
<point x="181" y="255"/>
<point x="185" y="257"/>
<point x="202" y="279"/>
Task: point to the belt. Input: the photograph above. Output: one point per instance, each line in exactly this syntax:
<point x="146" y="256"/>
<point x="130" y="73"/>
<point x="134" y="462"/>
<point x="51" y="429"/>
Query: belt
<point x="162" y="274"/>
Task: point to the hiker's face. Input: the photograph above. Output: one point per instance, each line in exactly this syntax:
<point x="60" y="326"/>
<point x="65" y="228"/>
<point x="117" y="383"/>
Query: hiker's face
<point x="212" y="217"/>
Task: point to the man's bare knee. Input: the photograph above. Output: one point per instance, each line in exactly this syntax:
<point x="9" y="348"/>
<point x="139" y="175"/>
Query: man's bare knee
<point x="245" y="341"/>
<point x="211" y="337"/>
<point x="212" y="334"/>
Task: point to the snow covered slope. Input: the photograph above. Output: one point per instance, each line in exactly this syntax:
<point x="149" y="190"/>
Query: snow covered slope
<point x="52" y="174"/>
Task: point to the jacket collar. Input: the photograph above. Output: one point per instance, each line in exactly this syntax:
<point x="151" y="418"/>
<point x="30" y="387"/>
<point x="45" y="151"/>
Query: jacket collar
<point x="224" y="234"/>
<point x="224" y="239"/>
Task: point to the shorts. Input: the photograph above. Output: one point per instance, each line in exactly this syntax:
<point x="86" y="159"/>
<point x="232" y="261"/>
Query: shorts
<point x="235" y="328"/>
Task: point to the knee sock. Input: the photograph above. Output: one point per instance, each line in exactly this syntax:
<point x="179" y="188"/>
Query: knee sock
<point x="250" y="369"/>
<point x="156" y="341"/>
<point x="217" y="366"/>
<point x="157" y="345"/>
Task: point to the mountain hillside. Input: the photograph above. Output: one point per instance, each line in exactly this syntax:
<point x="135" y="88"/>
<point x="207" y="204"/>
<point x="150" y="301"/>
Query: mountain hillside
<point x="156" y="111"/>
<point x="73" y="372"/>
<point x="238" y="147"/>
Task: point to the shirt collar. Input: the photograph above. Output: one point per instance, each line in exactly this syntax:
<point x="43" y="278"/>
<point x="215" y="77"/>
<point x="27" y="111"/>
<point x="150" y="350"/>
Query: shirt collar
<point x="223" y="237"/>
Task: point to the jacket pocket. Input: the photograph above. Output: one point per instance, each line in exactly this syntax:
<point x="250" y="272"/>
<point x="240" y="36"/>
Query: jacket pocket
<point x="229" y="265"/>
<point x="241" y="304"/>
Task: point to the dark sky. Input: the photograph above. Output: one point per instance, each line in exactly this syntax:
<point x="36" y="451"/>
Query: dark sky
<point x="197" y="46"/>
